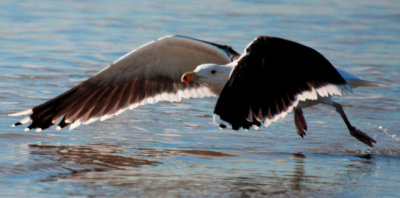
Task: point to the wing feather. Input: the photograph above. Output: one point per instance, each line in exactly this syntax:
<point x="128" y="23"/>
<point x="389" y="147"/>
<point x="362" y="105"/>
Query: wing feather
<point x="149" y="74"/>
<point x="271" y="79"/>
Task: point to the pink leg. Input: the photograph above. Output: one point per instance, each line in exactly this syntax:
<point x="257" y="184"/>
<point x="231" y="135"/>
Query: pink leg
<point x="300" y="122"/>
<point x="361" y="136"/>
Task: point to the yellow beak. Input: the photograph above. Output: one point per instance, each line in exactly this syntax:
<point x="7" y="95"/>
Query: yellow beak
<point x="189" y="76"/>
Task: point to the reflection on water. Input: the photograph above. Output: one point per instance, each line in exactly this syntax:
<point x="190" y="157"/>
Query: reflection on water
<point x="101" y="157"/>
<point x="174" y="172"/>
<point x="92" y="155"/>
<point x="298" y="172"/>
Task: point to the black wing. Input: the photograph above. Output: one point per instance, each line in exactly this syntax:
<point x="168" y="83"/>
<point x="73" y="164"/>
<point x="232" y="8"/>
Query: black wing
<point x="271" y="79"/>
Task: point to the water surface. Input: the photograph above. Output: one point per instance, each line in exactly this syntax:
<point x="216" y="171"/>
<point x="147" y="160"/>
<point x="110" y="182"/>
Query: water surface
<point x="173" y="150"/>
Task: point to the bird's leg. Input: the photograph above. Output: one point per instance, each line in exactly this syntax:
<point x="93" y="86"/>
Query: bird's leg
<point x="361" y="136"/>
<point x="300" y="122"/>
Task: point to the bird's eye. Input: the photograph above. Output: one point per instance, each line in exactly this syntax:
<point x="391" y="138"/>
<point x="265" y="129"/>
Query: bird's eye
<point x="213" y="71"/>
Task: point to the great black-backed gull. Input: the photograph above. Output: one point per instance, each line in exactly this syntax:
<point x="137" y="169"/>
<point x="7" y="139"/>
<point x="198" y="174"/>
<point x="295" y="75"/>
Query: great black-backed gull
<point x="273" y="77"/>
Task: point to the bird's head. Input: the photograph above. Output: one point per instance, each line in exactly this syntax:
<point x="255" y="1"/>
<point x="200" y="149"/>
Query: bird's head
<point x="212" y="76"/>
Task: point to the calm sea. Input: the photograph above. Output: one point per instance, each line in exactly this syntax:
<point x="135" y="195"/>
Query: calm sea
<point x="174" y="149"/>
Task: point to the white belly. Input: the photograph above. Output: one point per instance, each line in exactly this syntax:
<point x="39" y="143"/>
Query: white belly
<point x="309" y="103"/>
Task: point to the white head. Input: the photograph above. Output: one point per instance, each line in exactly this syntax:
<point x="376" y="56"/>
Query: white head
<point x="212" y="76"/>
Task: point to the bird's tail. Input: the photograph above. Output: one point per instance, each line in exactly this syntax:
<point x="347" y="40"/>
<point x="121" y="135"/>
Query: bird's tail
<point x="364" y="83"/>
<point x="355" y="81"/>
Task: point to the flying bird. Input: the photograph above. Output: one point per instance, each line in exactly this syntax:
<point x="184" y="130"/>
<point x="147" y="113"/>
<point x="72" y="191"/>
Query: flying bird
<point x="272" y="78"/>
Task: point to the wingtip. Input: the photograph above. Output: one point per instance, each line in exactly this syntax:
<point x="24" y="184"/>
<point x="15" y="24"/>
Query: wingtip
<point x="75" y="124"/>
<point x="16" y="124"/>
<point x="218" y="121"/>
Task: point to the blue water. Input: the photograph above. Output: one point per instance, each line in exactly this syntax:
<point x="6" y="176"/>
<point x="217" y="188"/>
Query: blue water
<point x="174" y="150"/>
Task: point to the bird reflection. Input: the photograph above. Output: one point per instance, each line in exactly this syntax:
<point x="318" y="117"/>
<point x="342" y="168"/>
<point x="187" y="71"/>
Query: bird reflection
<point x="97" y="156"/>
<point x="201" y="171"/>
<point x="298" y="172"/>
<point x="292" y="178"/>
<point x="271" y="183"/>
<point x="103" y="157"/>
